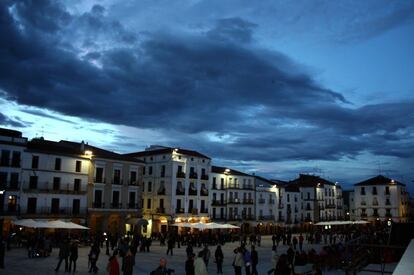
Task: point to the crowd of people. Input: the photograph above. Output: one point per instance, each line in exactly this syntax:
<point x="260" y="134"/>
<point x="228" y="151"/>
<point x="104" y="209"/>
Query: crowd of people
<point x="288" y="253"/>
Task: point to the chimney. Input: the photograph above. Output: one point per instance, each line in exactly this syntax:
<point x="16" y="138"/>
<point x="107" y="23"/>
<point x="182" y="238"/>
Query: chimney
<point x="82" y="146"/>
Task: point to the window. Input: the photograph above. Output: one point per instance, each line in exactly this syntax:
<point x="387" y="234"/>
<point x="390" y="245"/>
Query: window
<point x="16" y="159"/>
<point x="150" y="170"/>
<point x="143" y="170"/>
<point x="149" y="203"/>
<point x="308" y="195"/>
<point x="362" y="190"/>
<point x="33" y="182"/>
<point x="162" y="171"/>
<point x="56" y="183"/>
<point x="31" y="205"/>
<point x="288" y="197"/>
<point x="76" y="185"/>
<point x="133" y="177"/>
<point x="132" y="197"/>
<point x="12" y="203"/>
<point x="149" y="189"/>
<point x="99" y="175"/>
<point x="78" y="166"/>
<point x="58" y="163"/>
<point x="222" y="183"/>
<point x="117" y="176"/>
<point x="98" y="199"/>
<point x="35" y="162"/>
<point x="374" y="190"/>
<point x="14" y="181"/>
<point x="387" y="190"/>
<point x="55" y="206"/>
<point x="115" y="199"/>
<point x="76" y="206"/>
<point x="5" y="158"/>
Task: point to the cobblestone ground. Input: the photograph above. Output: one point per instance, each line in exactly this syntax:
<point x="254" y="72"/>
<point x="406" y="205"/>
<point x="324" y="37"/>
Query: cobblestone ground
<point x="17" y="262"/>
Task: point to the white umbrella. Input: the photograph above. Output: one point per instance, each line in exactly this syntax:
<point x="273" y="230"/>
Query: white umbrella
<point x="31" y="223"/>
<point x="230" y="226"/>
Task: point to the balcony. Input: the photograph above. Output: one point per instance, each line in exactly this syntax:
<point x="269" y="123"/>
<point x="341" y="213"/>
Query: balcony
<point x="10" y="186"/>
<point x="267" y="218"/>
<point x="116" y="205"/>
<point x="248" y="217"/>
<point x="339" y="207"/>
<point x="161" y="191"/>
<point x="193" y="175"/>
<point x="10" y="210"/>
<point x="281" y="219"/>
<point x="133" y="182"/>
<point x="192" y="192"/>
<point x="117" y="181"/>
<point x="233" y="201"/>
<point x="99" y="180"/>
<point x="193" y="211"/>
<point x="180" y="174"/>
<point x="233" y="186"/>
<point x="15" y="163"/>
<point x="160" y="210"/>
<point x="248" y="187"/>
<point x="388" y="215"/>
<point x="61" y="211"/>
<point x="204" y="192"/>
<point x="204" y="211"/>
<point x="374" y="193"/>
<point x="374" y="203"/>
<point x="330" y="206"/>
<point x="248" y="201"/>
<point x="132" y="205"/>
<point x="214" y="187"/>
<point x="46" y="187"/>
<point x="362" y="194"/>
<point x="179" y="210"/>
<point x="364" y="215"/>
<point x="387" y="193"/>
<point x="261" y="201"/>
<point x="271" y="201"/>
<point x="234" y="217"/>
<point x="98" y="205"/>
<point x="204" y="177"/>
<point x="4" y="162"/>
<point x="162" y="175"/>
<point x="179" y="192"/>
<point x="308" y="208"/>
<point x="363" y="203"/>
<point x="280" y="206"/>
<point x="218" y="203"/>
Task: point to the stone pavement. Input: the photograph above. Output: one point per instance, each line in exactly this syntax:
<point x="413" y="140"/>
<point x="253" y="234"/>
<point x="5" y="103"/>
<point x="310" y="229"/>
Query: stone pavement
<point x="18" y="263"/>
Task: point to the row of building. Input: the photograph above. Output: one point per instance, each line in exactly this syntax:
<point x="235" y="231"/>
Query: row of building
<point x="110" y="192"/>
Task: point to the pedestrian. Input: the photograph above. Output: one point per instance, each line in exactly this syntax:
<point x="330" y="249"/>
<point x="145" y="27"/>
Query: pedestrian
<point x="93" y="257"/>
<point x="162" y="269"/>
<point x="200" y="267"/>
<point x="274" y="239"/>
<point x="218" y="254"/>
<point x="274" y="260"/>
<point x="2" y="252"/>
<point x="247" y="260"/>
<point x="238" y="261"/>
<point x="129" y="263"/>
<point x="300" y="242"/>
<point x="295" y="242"/>
<point x="290" y="254"/>
<point x="206" y="255"/>
<point x="283" y="266"/>
<point x="63" y="255"/>
<point x="259" y="240"/>
<point x="113" y="264"/>
<point x="189" y="265"/>
<point x="170" y="245"/>
<point x="255" y="260"/>
<point x="189" y="249"/>
<point x="73" y="255"/>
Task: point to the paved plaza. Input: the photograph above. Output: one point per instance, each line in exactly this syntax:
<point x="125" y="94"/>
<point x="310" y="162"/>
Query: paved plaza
<point x="17" y="261"/>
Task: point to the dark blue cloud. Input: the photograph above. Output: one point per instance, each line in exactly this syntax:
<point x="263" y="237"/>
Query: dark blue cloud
<point x="193" y="85"/>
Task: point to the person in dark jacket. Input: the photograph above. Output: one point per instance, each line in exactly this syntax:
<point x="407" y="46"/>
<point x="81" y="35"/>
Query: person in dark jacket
<point x="218" y="255"/>
<point x="189" y="265"/>
<point x="255" y="260"/>
<point x="129" y="263"/>
<point x="73" y="256"/>
<point x="93" y="257"/>
<point x="63" y="255"/>
<point x="162" y="269"/>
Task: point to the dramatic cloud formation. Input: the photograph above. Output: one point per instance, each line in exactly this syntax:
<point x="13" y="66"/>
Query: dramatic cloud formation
<point x="211" y="86"/>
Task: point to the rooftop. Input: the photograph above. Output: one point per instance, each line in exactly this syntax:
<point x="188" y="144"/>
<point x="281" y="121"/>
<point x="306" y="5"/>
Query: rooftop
<point x="228" y="171"/>
<point x="379" y="180"/>
<point x="166" y="150"/>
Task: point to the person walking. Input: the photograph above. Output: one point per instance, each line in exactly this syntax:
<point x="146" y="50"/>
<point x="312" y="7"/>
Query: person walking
<point x="294" y="242"/>
<point x="170" y="245"/>
<point x="189" y="265"/>
<point x="218" y="254"/>
<point x="206" y="255"/>
<point x="301" y="242"/>
<point x="63" y="255"/>
<point x="255" y="260"/>
<point x="238" y="261"/>
<point x="2" y="252"/>
<point x="274" y="260"/>
<point x="200" y="267"/>
<point x="189" y="249"/>
<point x="247" y="260"/>
<point x="73" y="256"/>
<point x="129" y="263"/>
<point x="113" y="264"/>
<point x="93" y="257"/>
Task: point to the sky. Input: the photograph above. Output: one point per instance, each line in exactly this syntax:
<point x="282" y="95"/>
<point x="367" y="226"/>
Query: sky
<point x="272" y="87"/>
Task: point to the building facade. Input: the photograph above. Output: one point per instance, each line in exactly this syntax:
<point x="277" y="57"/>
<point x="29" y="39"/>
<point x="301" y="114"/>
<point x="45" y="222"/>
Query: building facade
<point x="381" y="198"/>
<point x="12" y="146"/>
<point x="176" y="186"/>
<point x="234" y="195"/>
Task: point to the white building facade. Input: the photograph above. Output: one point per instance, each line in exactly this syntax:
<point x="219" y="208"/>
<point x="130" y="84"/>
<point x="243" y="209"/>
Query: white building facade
<point x="176" y="186"/>
<point x="381" y="198"/>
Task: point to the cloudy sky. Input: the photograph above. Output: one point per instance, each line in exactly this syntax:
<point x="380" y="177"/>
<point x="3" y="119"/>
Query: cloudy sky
<point x="272" y="87"/>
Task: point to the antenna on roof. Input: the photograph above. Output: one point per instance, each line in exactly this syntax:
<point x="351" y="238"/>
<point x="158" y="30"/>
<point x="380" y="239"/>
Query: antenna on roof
<point x="43" y="131"/>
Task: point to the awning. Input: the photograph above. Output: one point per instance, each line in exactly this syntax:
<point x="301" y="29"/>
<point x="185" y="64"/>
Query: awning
<point x="210" y="225"/>
<point x="57" y="224"/>
<point x="341" y="222"/>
